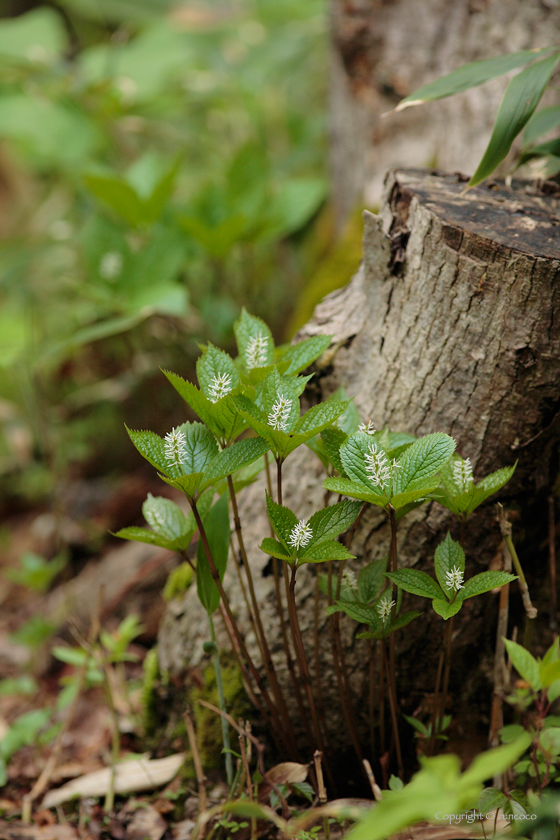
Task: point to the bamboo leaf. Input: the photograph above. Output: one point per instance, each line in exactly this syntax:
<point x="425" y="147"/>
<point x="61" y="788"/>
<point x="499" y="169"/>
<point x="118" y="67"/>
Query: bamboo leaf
<point x="518" y="104"/>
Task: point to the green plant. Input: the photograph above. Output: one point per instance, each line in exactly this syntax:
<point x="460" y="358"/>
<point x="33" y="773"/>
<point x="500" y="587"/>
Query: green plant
<point x="517" y="110"/>
<point x="250" y="410"/>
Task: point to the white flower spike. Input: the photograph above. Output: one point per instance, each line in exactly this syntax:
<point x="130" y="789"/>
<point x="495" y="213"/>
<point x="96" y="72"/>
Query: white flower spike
<point x="463" y="474"/>
<point x="255" y="354"/>
<point x="280" y="413"/>
<point x="220" y="386"/>
<point x="377" y="466"/>
<point x="454" y="578"/>
<point x="300" y="534"/>
<point x="367" y="428"/>
<point x="175" y="447"/>
<point x="384" y="608"/>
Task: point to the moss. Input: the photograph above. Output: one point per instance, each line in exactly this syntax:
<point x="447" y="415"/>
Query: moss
<point x="178" y="581"/>
<point x="208" y="724"/>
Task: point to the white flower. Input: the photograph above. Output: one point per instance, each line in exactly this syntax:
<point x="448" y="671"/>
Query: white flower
<point x="110" y="265"/>
<point x="349" y="578"/>
<point x="367" y="428"/>
<point x="300" y="534"/>
<point x="377" y="466"/>
<point x="220" y="386"/>
<point x="384" y="607"/>
<point x="255" y="354"/>
<point x="175" y="447"/>
<point x="454" y="578"/>
<point x="280" y="413"/>
<point x="462" y="474"/>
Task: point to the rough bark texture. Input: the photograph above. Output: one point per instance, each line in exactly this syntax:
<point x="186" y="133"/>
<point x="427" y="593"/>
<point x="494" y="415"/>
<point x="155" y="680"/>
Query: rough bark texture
<point x="451" y="324"/>
<point x="385" y="49"/>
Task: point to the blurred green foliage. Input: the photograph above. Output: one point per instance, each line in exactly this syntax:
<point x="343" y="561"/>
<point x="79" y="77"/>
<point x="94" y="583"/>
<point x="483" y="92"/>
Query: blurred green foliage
<point x="158" y="164"/>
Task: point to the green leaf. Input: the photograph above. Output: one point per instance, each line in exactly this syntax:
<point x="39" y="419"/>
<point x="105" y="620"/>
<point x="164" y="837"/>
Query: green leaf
<point x="484" y="582"/>
<point x="416" y="582"/>
<point x="371" y="579"/>
<point x="553" y="692"/>
<point x="445" y="608"/>
<point x="549" y="673"/>
<point x="254" y="341"/>
<point x="38" y="36"/>
<point x="549" y="740"/>
<point x="216" y="526"/>
<point x="166" y="518"/>
<point x="420" y="727"/>
<point x="234" y="457"/>
<point x="449" y="555"/>
<point x="301" y="355"/>
<point x="363" y="613"/>
<point x="421" y="461"/>
<point x="470" y="75"/>
<point x="525" y="664"/>
<point x="71" y="655"/>
<point x="320" y="416"/>
<point x="143" y="535"/>
<point x="491" y="799"/>
<point x="414" y="497"/>
<point x="331" y="521"/>
<point x="520" y="100"/>
<point x="282" y="519"/>
<point x="353" y="456"/>
<point x="215" y="366"/>
<point x="275" y="390"/>
<point x="324" y="551"/>
<point x="489" y="485"/>
<point x="192" y="396"/>
<point x="275" y="549"/>
<point x="354" y="489"/>
<point x="489" y="764"/>
<point x="540" y="123"/>
<point x="277" y="439"/>
<point x="119" y="196"/>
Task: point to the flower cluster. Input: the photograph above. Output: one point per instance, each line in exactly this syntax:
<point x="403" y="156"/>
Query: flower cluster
<point x="462" y="474"/>
<point x="219" y="387"/>
<point x="384" y="607"/>
<point x="175" y="447"/>
<point x="378" y="467"/>
<point x="280" y="413"/>
<point x="255" y="354"/>
<point x="367" y="428"/>
<point x="454" y="578"/>
<point x="300" y="534"/>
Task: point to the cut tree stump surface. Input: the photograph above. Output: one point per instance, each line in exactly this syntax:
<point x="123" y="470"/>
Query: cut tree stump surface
<point x="451" y="324"/>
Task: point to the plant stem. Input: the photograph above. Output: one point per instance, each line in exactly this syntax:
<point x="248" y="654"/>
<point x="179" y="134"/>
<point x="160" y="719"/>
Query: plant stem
<point x="279" y="480"/>
<point x="260" y="634"/>
<point x="198" y="768"/>
<point x="552" y="562"/>
<point x="394" y="712"/>
<point x="436" y="696"/>
<point x="392" y="672"/>
<point x="222" y="702"/>
<point x="235" y="629"/>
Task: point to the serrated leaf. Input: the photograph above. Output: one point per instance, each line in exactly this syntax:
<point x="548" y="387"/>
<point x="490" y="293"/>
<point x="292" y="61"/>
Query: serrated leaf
<point x="513" y="810"/>
<point x="371" y="579"/>
<point x="324" y="551"/>
<point x="333" y="520"/>
<point x="216" y="366"/>
<point x="363" y="613"/>
<point x="421" y="461"/>
<point x="283" y="521"/>
<point x="276" y="389"/>
<point x="301" y="355"/>
<point x="402" y="620"/>
<point x="216" y="527"/>
<point x="234" y="457"/>
<point x="152" y="447"/>
<point x="484" y="582"/>
<point x="448" y="555"/>
<point x="491" y="799"/>
<point x="418" y="496"/>
<point x="192" y="395"/>
<point x="416" y="582"/>
<point x="353" y="456"/>
<point x="320" y="416"/>
<point x="354" y="489"/>
<point x="470" y="75"/>
<point x="188" y="484"/>
<point x="518" y="104"/>
<point x="166" y="518"/>
<point x="446" y="609"/>
<point x="275" y="549"/>
<point x="258" y="421"/>
<point x="525" y="664"/>
<point x="489" y="485"/>
<point x="254" y="341"/>
<point x="143" y="535"/>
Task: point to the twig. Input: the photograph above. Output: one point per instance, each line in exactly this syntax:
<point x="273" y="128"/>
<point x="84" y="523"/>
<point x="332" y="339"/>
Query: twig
<point x="321" y="790"/>
<point x="505" y="527"/>
<point x="248" y="782"/>
<point x="198" y="769"/>
<point x="376" y="790"/>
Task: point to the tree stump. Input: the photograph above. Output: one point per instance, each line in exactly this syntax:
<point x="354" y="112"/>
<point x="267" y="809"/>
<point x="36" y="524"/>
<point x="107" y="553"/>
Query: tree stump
<point x="451" y="324"/>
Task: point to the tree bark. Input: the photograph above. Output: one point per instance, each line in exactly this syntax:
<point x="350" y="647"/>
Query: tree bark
<point x="382" y="50"/>
<point x="451" y="324"/>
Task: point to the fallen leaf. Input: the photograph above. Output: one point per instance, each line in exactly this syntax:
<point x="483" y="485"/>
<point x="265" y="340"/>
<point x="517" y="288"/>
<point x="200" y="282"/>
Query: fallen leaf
<point x="130" y="777"/>
<point x="146" y="824"/>
<point x="24" y="831"/>
<point x="287" y="773"/>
